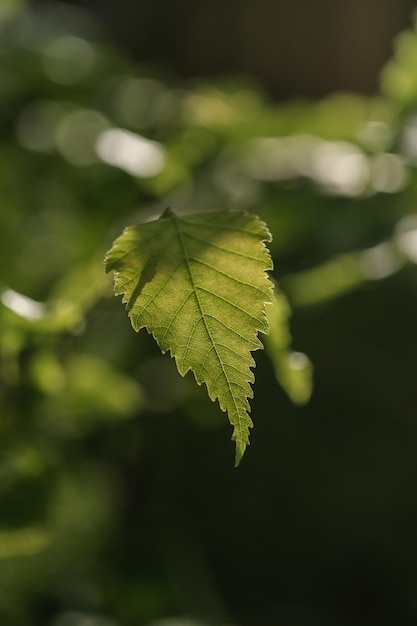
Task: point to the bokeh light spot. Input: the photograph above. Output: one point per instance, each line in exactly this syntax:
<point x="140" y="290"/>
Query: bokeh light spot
<point x="341" y="168"/>
<point x="68" y="59"/>
<point x="130" y="152"/>
<point x="388" y="173"/>
<point x="22" y="305"/>
<point x="406" y="237"/>
<point x="76" y="135"/>
<point x="380" y="261"/>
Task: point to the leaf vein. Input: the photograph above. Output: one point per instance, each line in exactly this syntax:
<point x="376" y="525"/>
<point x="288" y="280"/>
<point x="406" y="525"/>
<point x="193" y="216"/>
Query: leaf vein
<point x="156" y="294"/>
<point x="233" y="330"/>
<point x="229" y="276"/>
<point x="184" y="249"/>
<point x="230" y="302"/>
<point x="211" y="244"/>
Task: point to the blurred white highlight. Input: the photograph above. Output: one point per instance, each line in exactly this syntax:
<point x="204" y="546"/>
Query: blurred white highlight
<point x="341" y="167"/>
<point x="131" y="152"/>
<point x="380" y="261"/>
<point x="298" y="361"/>
<point x="22" y="305"/>
<point x="409" y="139"/>
<point x="406" y="237"/>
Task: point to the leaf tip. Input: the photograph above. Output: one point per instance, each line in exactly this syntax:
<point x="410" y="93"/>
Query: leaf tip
<point x="240" y="451"/>
<point x="169" y="212"/>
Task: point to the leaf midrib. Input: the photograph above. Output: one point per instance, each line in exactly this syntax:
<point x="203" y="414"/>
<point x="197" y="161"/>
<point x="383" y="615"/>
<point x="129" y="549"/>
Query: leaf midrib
<point x="184" y="250"/>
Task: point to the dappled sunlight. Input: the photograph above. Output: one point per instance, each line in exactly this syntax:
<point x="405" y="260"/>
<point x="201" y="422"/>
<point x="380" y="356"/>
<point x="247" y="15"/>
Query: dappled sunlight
<point x="130" y="152"/>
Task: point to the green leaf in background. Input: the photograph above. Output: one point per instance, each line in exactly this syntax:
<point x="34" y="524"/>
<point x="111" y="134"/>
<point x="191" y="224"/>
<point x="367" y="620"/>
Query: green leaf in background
<point x="293" y="370"/>
<point x="198" y="283"/>
<point x="398" y="76"/>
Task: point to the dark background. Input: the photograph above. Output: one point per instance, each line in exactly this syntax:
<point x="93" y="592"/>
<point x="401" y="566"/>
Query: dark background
<point x="294" y="48"/>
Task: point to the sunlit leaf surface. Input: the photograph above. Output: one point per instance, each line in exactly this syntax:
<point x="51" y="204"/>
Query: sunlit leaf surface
<point x="198" y="283"/>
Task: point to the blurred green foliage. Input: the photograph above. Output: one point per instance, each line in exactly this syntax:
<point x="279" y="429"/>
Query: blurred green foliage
<point x="118" y="502"/>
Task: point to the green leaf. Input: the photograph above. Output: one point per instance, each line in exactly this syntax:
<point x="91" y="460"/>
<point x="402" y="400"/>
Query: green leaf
<point x="198" y="283"/>
<point x="293" y="370"/>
